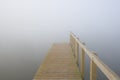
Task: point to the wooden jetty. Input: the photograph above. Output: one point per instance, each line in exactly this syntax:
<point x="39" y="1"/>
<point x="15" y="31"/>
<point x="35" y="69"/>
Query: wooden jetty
<point x="62" y="63"/>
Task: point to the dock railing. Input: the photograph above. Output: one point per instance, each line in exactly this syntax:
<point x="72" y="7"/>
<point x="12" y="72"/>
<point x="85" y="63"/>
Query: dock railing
<point x="95" y="61"/>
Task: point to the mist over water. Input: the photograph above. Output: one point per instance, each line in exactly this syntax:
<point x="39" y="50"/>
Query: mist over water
<point x="28" y="28"/>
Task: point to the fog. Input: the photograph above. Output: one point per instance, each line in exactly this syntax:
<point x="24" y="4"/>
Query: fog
<point x="28" y="28"/>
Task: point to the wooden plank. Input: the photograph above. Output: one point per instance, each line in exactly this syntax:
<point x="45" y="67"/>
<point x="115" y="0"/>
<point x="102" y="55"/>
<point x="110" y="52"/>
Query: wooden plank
<point x="110" y="74"/>
<point x="76" y="52"/>
<point x="59" y="65"/>
<point x="93" y="71"/>
<point x="82" y="63"/>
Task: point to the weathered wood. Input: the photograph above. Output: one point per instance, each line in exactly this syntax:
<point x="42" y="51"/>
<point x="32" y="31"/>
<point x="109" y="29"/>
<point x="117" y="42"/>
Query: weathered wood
<point x="76" y="52"/>
<point x="82" y="63"/>
<point x="111" y="75"/>
<point x="93" y="73"/>
<point x="58" y="65"/>
<point x="93" y="69"/>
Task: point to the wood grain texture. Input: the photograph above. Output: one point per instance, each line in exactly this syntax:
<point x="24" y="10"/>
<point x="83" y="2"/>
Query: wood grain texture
<point x="110" y="74"/>
<point x="59" y="64"/>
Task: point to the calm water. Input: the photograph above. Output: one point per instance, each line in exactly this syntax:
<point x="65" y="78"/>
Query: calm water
<point x="28" y="28"/>
<point x="21" y="57"/>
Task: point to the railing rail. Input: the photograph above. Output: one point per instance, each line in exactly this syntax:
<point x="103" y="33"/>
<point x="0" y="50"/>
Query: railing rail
<point x="95" y="61"/>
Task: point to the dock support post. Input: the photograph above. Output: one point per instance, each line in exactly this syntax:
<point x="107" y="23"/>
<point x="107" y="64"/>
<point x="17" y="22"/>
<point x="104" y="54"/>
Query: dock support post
<point x="76" y="52"/>
<point x="82" y="63"/>
<point x="93" y="71"/>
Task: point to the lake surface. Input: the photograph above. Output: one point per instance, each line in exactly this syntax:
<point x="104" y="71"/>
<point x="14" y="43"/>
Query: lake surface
<point x="28" y="28"/>
<point x="20" y="57"/>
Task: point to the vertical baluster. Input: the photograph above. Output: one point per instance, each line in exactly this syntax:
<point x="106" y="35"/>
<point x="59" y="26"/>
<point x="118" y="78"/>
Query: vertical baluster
<point x="82" y="63"/>
<point x="71" y="40"/>
<point x="74" y="48"/>
<point x="72" y="43"/>
<point x="93" y="71"/>
<point x="76" y="52"/>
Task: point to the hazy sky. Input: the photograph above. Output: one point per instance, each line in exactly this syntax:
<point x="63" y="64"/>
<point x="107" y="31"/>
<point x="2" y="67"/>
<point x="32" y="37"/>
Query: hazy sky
<point x="54" y="17"/>
<point x="28" y="27"/>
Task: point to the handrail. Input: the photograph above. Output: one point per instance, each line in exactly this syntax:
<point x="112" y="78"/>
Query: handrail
<point x="95" y="60"/>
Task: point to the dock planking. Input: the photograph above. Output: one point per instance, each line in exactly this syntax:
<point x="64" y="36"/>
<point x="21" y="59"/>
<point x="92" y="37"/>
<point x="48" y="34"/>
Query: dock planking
<point x="59" y="64"/>
<point x="63" y="58"/>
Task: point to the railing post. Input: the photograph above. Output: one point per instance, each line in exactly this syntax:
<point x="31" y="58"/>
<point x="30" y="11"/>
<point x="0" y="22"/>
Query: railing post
<point x="74" y="48"/>
<point x="70" y="40"/>
<point x="94" y="61"/>
<point x="76" y="52"/>
<point x="93" y="71"/>
<point x="82" y="63"/>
